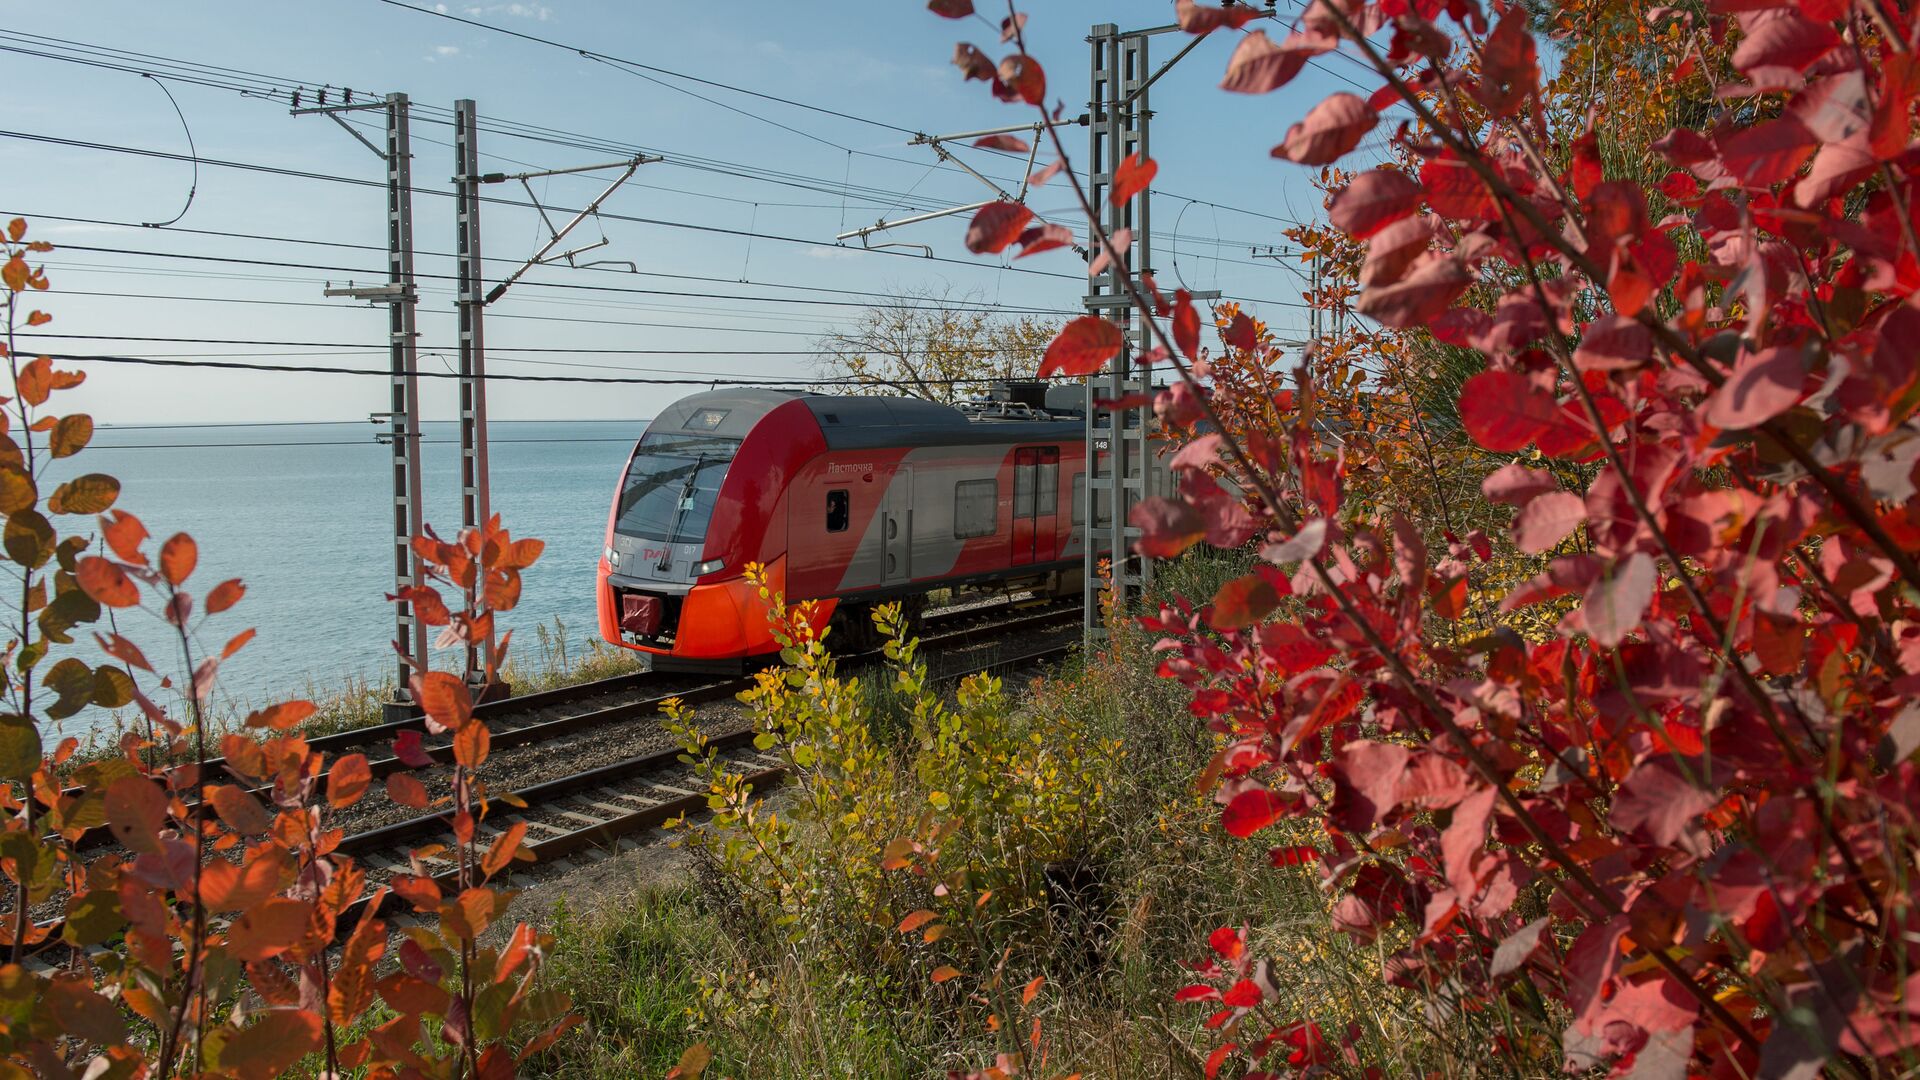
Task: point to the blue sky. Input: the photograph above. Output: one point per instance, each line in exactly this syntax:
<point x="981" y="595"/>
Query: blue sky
<point x="887" y="62"/>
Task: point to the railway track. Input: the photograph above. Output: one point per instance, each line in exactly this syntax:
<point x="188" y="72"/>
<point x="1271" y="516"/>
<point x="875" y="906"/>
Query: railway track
<point x="595" y="807"/>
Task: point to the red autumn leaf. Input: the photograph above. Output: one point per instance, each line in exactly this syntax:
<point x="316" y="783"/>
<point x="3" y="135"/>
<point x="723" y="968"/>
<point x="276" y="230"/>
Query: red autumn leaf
<point x="1197" y="18"/>
<point x="995" y="226"/>
<point x="1239" y="333"/>
<point x="123" y="650"/>
<point x="1258" y="65"/>
<point x="225" y="595"/>
<point x="1186" y="324"/>
<point x="1395" y="247"/>
<point x="1167" y="526"/>
<point x="1118" y="243"/>
<point x="1244" y="994"/>
<point x="1252" y="810"/>
<point x="1509" y="67"/>
<point x="1293" y="855"/>
<point x="124" y="534"/>
<point x="1082" y="347"/>
<point x="1011" y="26"/>
<point x="1544" y="522"/>
<point x="944" y="973"/>
<point x="269" y="928"/>
<point x="470" y="745"/>
<point x="444" y="698"/>
<point x="502" y="850"/>
<point x="1021" y="79"/>
<point x="406" y="791"/>
<point x="951" y="9"/>
<point x="1614" y="343"/>
<point x="136" y="810"/>
<point x="1242" y="602"/>
<point x="1454" y="190"/>
<point x="406" y="747"/>
<point x="422" y="892"/>
<point x="178" y="556"/>
<point x="237" y="642"/>
<point x="282" y="716"/>
<point x="227" y="887"/>
<point x="1430" y="286"/>
<point x="1447" y="597"/>
<point x="1228" y="522"/>
<point x="1766" y="153"/>
<point x="240" y="810"/>
<point x="1628" y="286"/>
<point x="1131" y="177"/>
<point x="103" y="580"/>
<point x="1372" y="200"/>
<point x="1197" y="992"/>
<point x="1763" y="385"/>
<point x="1009" y="143"/>
<point x="1044" y="237"/>
<point x="1328" y="131"/>
<point x="348" y="780"/>
<point x="1585" y="173"/>
<point x="973" y="63"/>
<point x="1616" y="602"/>
<point x="1837" y="167"/>
<point x="1503" y="411"/>
<point x="1658" y="801"/>
<point x="1032" y="989"/>
<point x="1229" y="942"/>
<point x="1781" y="38"/>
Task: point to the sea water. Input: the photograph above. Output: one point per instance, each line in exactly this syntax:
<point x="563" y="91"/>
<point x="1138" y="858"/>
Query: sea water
<point x="302" y="513"/>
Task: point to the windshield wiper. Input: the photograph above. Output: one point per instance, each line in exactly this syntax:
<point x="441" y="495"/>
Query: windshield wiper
<point x="683" y="504"/>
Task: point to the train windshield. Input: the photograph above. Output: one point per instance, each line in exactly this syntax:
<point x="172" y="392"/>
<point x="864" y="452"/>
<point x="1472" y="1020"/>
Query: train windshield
<point x="672" y="485"/>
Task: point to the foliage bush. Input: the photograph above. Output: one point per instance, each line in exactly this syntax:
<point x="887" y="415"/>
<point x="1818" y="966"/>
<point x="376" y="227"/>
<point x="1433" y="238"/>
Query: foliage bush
<point x="202" y="944"/>
<point x="1671" y="831"/>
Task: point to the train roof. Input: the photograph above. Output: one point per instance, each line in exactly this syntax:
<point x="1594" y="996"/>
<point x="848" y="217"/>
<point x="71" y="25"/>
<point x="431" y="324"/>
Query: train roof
<point x="854" y="422"/>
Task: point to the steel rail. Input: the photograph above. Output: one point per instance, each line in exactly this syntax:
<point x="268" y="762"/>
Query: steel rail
<point x="505" y="710"/>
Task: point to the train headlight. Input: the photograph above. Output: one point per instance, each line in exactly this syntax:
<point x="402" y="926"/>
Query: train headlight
<point x="709" y="567"/>
<point x="613" y="557"/>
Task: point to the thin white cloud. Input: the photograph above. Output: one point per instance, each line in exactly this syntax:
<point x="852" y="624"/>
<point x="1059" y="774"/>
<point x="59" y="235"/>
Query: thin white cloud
<point x="446" y="50"/>
<point x="537" y="12"/>
<point x="831" y="253"/>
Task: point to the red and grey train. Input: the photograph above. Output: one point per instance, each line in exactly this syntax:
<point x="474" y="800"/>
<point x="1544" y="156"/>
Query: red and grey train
<point x="849" y="501"/>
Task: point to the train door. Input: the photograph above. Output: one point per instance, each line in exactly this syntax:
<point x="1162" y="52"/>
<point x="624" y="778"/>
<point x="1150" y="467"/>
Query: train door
<point x="1036" y="504"/>
<point x="1025" y="489"/>
<point x="896" y="528"/>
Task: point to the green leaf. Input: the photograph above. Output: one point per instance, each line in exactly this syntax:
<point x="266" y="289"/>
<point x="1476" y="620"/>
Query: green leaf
<point x="17" y="491"/>
<point x="764" y="741"/>
<point x="69" y="609"/>
<point x="30" y="655"/>
<point x="20" y="750"/>
<point x="112" y="688"/>
<point x="93" y="493"/>
<point x="29" y="538"/>
<point x="73" y="680"/>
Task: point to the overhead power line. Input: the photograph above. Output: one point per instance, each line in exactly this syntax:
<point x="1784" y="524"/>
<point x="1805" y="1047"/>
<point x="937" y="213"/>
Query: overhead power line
<point x="594" y="55"/>
<point x="447" y="348"/>
<point x="383" y="373"/>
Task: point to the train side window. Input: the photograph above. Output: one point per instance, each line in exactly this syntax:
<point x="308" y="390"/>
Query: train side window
<point x="839" y="510"/>
<point x="976" y="509"/>
<point x="1079" y="498"/>
<point x="1047" y="501"/>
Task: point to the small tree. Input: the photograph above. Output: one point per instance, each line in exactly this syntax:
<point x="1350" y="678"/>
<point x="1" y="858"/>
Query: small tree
<point x="931" y="343"/>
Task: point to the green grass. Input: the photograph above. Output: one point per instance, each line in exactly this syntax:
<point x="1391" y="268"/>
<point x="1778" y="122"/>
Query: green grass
<point x="632" y="980"/>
